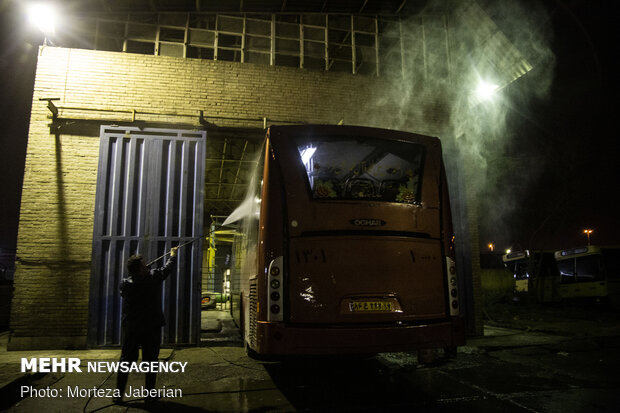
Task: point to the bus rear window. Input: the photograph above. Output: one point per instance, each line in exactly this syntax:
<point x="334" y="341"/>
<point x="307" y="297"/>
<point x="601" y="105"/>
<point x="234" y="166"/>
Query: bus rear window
<point x="362" y="168"/>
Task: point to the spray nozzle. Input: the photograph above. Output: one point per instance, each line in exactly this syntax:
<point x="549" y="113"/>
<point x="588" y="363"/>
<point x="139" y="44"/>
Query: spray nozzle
<point x="172" y="251"/>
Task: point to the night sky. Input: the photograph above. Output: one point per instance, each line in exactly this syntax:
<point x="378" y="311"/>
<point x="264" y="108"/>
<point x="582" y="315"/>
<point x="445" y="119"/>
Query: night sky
<point x="566" y="142"/>
<point x="567" y="149"/>
<point x="18" y="55"/>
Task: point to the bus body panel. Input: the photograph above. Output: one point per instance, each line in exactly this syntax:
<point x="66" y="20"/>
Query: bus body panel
<point x="327" y="275"/>
<point x="582" y="273"/>
<point x="284" y="338"/>
<point x="339" y="256"/>
<point x="583" y="289"/>
<point x="334" y="217"/>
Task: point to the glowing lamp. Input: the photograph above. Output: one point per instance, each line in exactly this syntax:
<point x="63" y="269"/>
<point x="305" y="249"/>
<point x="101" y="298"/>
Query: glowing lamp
<point x="42" y="16"/>
<point x="485" y="90"/>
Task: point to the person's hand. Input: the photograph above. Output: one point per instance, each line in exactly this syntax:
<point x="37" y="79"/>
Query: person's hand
<point x="173" y="251"/>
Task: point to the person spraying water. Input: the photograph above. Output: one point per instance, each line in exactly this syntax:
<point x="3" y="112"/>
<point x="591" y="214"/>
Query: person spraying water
<point x="142" y="315"/>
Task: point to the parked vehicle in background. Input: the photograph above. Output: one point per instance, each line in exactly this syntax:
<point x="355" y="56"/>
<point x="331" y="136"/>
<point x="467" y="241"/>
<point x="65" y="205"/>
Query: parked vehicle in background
<point x="589" y="272"/>
<point x="581" y="272"/>
<point x="209" y="300"/>
<point x="518" y="262"/>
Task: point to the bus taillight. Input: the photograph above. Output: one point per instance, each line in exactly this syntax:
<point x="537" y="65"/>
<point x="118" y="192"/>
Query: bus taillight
<point x="274" y="296"/>
<point x="452" y="286"/>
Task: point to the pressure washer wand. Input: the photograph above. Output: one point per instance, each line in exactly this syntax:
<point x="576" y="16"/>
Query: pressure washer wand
<point x="167" y="253"/>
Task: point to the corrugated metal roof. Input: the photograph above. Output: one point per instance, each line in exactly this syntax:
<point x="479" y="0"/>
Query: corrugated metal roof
<point x="370" y="7"/>
<point x="493" y="52"/>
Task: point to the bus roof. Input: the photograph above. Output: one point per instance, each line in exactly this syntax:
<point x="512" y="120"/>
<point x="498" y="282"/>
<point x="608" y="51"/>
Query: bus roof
<point x="364" y="130"/>
<point x="515" y="255"/>
<point x="576" y="252"/>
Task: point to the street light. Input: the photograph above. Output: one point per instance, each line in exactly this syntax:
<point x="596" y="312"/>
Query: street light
<point x="491" y="246"/>
<point x="588" y="232"/>
<point x="43" y="17"/>
<point x="486" y="90"/>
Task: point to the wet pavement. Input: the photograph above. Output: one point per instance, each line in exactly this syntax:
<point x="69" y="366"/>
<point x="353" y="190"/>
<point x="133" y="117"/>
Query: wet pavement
<point x="514" y="370"/>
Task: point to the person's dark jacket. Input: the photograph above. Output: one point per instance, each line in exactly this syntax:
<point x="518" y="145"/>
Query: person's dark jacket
<point x="142" y="297"/>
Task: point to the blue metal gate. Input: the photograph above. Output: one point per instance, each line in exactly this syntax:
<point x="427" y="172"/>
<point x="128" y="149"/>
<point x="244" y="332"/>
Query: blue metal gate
<point x="149" y="198"/>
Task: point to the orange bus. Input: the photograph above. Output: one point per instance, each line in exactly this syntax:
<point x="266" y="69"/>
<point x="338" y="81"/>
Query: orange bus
<point x="345" y="245"/>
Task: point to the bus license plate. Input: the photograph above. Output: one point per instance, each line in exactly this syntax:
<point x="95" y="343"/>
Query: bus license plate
<point x="360" y="306"/>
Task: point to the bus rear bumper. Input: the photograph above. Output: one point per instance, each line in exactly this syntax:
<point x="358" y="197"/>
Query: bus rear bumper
<point x="283" y="339"/>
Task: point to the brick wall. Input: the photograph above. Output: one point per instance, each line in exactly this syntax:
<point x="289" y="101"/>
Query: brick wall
<point x="50" y="306"/>
<point x="84" y="78"/>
